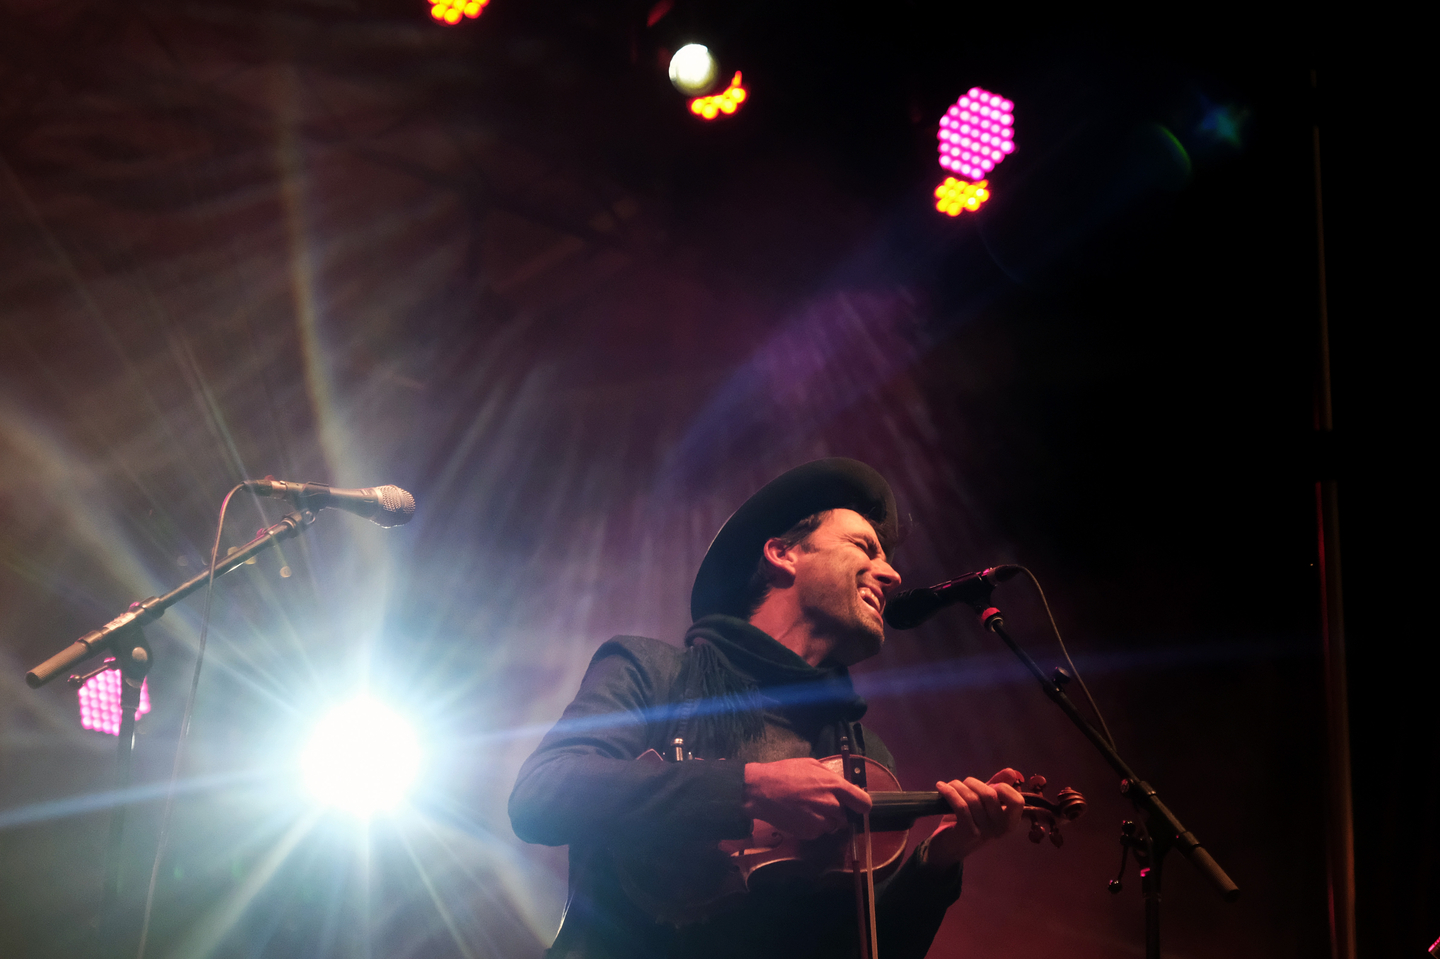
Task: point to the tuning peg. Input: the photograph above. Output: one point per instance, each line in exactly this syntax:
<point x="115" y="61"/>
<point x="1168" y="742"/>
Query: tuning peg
<point x="1070" y="804"/>
<point x="1035" y="784"/>
<point x="1037" y="832"/>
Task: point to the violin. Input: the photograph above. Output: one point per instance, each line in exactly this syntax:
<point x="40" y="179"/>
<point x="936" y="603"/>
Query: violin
<point x="695" y="882"/>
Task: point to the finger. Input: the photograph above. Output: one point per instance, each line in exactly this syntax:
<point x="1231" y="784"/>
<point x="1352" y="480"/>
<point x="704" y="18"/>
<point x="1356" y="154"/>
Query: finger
<point x="1014" y="812"/>
<point x="1011" y="798"/>
<point x="815" y="828"/>
<point x="991" y="815"/>
<point x="853" y="797"/>
<point x="948" y="793"/>
<point x="830" y="819"/>
<point x="960" y="797"/>
<point x="960" y="789"/>
<point x="1008" y="776"/>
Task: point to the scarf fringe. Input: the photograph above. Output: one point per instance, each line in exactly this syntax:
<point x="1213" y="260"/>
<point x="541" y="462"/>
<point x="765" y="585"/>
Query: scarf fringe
<point x="722" y="709"/>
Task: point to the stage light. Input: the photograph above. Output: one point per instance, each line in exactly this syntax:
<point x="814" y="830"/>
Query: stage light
<point x="693" y="69"/>
<point x="100" y="702"/>
<point x="976" y="134"/>
<point x="362" y="758"/>
<point x="450" y="11"/>
<point x="954" y="197"/>
<point x="721" y="104"/>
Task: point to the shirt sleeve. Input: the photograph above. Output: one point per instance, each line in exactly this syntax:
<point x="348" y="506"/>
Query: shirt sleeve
<point x="583" y="784"/>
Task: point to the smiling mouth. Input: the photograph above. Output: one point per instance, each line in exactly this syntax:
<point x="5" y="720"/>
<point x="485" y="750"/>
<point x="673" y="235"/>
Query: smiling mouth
<point x="873" y="600"/>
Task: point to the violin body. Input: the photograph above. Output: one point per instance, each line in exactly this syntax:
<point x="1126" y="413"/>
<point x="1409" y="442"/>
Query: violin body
<point x="692" y="882"/>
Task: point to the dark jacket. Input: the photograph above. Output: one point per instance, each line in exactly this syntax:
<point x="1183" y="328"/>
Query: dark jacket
<point x="583" y="788"/>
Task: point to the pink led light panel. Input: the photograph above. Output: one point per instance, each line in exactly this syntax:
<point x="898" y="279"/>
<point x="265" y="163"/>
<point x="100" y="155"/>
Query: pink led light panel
<point x="100" y="702"/>
<point x="977" y="133"/>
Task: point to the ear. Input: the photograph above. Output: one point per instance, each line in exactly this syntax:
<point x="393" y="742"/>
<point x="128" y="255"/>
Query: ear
<point x="782" y="561"/>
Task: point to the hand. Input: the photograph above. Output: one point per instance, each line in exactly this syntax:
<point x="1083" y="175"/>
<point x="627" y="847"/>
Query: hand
<point x="801" y="797"/>
<point x="983" y="811"/>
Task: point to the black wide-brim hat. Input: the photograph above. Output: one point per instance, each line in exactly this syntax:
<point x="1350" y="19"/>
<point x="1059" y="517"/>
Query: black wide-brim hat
<point x="835" y="483"/>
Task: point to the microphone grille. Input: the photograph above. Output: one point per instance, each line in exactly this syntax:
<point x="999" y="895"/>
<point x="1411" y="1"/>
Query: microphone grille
<point x="396" y="506"/>
<point x="910" y="608"/>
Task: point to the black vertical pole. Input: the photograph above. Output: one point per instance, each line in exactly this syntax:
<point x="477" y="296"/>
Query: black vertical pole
<point x="1339" y="807"/>
<point x="133" y="661"/>
<point x="1148" y="884"/>
<point x="124" y="752"/>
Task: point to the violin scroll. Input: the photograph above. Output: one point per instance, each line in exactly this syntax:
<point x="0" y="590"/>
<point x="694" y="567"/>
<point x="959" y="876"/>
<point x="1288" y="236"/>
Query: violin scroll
<point x="1046" y="815"/>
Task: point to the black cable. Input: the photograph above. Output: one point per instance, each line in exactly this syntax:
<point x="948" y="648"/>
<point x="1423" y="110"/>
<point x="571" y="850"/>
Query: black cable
<point x="1073" y="668"/>
<point x="184" y="728"/>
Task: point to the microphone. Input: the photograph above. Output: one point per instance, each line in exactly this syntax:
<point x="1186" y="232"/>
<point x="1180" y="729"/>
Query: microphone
<point x="913" y="606"/>
<point x="382" y="505"/>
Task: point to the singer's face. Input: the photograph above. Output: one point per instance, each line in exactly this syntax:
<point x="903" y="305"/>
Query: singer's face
<point x="842" y="578"/>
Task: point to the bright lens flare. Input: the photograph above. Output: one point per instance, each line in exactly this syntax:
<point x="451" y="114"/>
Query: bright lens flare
<point x="693" y="69"/>
<point x="361" y="758"/>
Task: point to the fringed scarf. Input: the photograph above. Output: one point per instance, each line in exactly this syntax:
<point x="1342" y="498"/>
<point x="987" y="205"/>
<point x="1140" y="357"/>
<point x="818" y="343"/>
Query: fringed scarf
<point x="731" y="667"/>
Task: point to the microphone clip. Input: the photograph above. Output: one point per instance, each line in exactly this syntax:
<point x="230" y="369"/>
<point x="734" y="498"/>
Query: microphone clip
<point x="914" y="606"/>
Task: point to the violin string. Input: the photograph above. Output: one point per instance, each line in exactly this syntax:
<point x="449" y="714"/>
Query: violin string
<point x="870" y="886"/>
<point x="1073" y="669"/>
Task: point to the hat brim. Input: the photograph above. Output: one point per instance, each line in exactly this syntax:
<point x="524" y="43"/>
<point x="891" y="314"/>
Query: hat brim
<point x="835" y="483"/>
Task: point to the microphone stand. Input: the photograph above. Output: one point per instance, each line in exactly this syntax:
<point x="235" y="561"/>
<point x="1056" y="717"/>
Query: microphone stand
<point x="133" y="667"/>
<point x="1162" y="830"/>
<point x="134" y="658"/>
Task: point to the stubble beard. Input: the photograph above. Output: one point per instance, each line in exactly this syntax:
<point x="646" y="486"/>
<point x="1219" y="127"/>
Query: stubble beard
<point x="866" y="640"/>
<point x="856" y="633"/>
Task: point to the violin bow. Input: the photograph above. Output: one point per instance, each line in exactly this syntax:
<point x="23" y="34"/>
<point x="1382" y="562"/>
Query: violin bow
<point x="864" y="899"/>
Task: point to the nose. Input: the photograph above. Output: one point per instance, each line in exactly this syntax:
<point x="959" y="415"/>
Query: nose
<point x="885" y="573"/>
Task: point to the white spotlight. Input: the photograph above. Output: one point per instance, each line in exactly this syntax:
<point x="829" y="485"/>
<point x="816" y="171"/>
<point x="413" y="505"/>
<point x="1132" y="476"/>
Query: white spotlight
<point x="693" y="70"/>
<point x="362" y="758"/>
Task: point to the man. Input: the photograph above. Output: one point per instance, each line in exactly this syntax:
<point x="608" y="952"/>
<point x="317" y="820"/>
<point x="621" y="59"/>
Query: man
<point x="790" y="593"/>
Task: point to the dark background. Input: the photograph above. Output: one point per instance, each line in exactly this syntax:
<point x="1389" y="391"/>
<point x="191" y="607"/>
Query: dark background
<point x="501" y="266"/>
